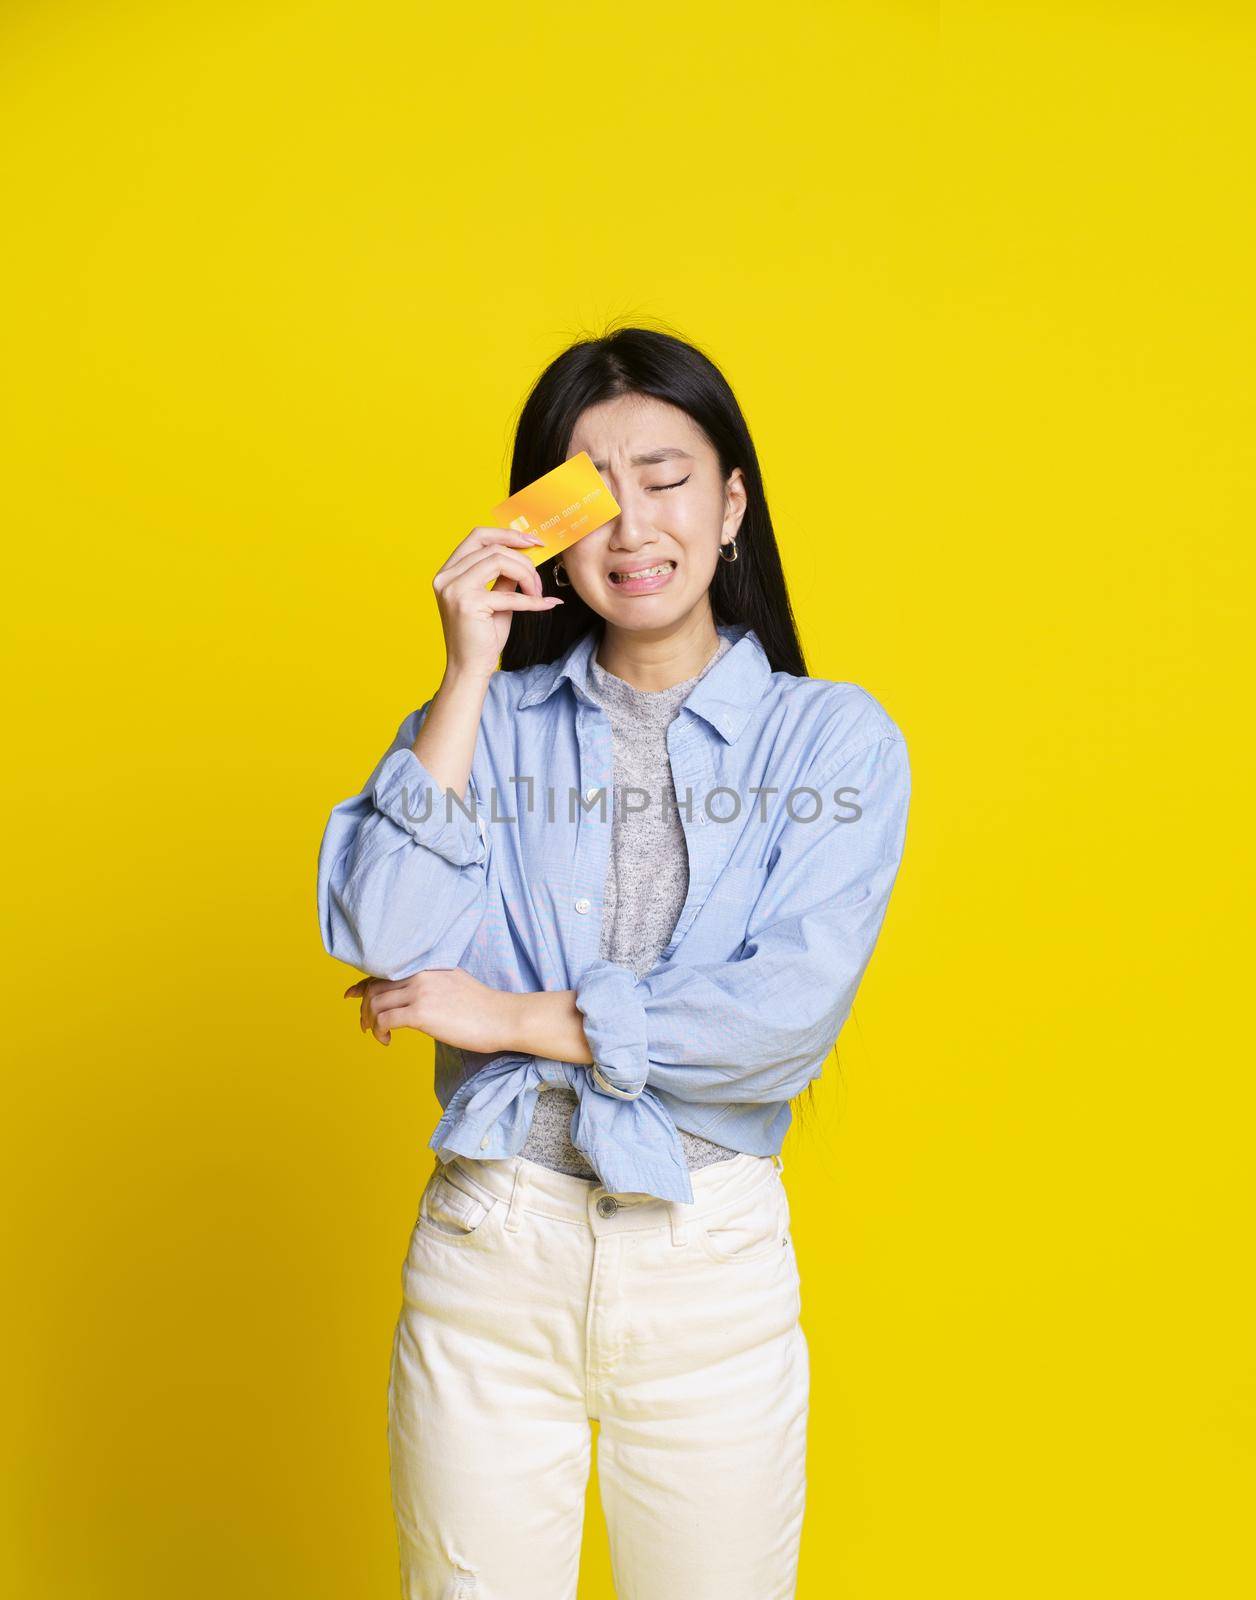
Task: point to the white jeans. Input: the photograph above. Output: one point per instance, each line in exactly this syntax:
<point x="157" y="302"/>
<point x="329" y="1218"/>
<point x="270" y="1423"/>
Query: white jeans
<point x="535" y="1301"/>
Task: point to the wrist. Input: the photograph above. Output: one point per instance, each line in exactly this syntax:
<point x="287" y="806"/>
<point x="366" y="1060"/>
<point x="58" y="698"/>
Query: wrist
<point x="458" y="683"/>
<point x="519" y="1024"/>
<point x="546" y="1023"/>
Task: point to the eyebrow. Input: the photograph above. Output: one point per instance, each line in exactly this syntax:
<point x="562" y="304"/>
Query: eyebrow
<point x="652" y="457"/>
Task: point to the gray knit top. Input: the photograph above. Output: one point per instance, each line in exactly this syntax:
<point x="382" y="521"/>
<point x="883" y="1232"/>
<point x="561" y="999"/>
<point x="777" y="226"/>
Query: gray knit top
<point x="647" y="880"/>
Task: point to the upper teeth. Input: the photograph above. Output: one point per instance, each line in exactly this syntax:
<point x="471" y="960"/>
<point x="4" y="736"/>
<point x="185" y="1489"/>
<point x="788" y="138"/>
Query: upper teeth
<point x="644" y="572"/>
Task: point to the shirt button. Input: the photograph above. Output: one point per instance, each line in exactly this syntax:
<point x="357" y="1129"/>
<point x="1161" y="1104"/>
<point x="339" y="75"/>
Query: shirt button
<point x="700" y="819"/>
<point x="591" y="793"/>
<point x="607" y="1207"/>
<point x="484" y="1142"/>
<point x="582" y="905"/>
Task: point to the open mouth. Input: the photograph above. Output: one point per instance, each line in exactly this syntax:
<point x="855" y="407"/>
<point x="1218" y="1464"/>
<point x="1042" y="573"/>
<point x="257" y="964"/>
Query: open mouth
<point x="660" y="569"/>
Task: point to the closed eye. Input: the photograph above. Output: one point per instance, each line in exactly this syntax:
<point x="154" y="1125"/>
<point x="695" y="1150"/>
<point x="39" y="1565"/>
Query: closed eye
<point x="657" y="488"/>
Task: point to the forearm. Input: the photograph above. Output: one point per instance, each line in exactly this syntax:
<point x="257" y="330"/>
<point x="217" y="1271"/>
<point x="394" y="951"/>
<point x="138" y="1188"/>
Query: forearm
<point x="446" y="741"/>
<point x="548" y="1024"/>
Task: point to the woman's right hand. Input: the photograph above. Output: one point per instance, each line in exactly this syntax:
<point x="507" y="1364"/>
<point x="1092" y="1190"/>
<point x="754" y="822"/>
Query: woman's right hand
<point x="475" y="618"/>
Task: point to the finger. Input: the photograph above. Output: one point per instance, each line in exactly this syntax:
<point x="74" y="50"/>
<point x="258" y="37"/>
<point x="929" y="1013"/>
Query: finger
<point x="394" y="1016"/>
<point x="480" y="538"/>
<point x="385" y="1019"/>
<point x="505" y="600"/>
<point x="378" y="986"/>
<point x="512" y="570"/>
<point x="371" y="988"/>
<point x="497" y="562"/>
<point x="490" y="560"/>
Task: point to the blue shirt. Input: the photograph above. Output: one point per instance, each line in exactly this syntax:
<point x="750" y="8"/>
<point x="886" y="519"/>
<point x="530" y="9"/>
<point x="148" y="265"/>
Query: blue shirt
<point x="793" y="795"/>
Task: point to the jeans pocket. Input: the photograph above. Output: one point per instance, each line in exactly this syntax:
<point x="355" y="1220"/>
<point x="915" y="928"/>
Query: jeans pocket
<point x="454" y="1208"/>
<point x="751" y="1227"/>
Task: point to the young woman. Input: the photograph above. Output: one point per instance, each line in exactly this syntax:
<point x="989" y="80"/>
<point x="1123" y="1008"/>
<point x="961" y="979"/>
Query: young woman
<point x="629" y="883"/>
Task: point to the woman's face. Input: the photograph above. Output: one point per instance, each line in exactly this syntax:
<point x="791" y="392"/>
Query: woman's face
<point x="675" y="511"/>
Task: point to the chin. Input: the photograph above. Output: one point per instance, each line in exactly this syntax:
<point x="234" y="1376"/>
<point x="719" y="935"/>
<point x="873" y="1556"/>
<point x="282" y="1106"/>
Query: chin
<point x="648" y="611"/>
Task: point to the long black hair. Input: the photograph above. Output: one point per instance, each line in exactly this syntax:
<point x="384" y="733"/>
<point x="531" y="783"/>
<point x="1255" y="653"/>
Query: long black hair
<point x="642" y="361"/>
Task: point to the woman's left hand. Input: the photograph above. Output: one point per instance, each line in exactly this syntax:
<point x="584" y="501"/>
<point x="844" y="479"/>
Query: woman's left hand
<point x="444" y="1002"/>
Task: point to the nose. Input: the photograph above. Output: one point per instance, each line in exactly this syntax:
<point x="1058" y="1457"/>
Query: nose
<point x="631" y="528"/>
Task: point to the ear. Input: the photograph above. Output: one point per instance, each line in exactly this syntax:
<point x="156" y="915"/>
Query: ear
<point x="734" y="503"/>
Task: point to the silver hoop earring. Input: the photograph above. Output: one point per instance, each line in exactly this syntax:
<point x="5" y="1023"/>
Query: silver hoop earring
<point x="732" y="545"/>
<point x="560" y="577"/>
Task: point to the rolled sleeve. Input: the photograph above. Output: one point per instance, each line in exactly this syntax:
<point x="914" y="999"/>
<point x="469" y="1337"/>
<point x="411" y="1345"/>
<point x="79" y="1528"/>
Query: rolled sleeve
<point x="609" y="1000"/>
<point x="402" y="885"/>
<point x="758" y="1028"/>
<point x="407" y="794"/>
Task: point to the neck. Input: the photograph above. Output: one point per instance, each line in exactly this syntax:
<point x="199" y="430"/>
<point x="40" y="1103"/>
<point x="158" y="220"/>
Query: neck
<point x="653" y="660"/>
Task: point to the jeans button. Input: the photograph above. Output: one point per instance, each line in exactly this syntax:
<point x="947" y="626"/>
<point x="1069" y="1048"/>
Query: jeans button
<point x="607" y="1207"/>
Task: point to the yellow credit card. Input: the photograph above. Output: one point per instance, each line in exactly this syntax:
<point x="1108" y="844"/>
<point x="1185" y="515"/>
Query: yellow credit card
<point x="560" y="507"/>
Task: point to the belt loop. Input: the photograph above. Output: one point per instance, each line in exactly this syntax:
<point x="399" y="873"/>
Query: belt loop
<point x="514" y="1211"/>
<point x="780" y="1163"/>
<point x="677" y="1219"/>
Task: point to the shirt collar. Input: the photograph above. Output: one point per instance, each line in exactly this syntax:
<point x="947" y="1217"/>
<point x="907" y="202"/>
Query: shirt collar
<point x="725" y="696"/>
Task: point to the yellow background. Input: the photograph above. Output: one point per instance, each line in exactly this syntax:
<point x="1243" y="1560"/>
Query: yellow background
<point x="275" y="276"/>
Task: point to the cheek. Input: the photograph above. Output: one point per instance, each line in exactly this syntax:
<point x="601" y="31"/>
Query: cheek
<point x="696" y="529"/>
<point x="582" y="564"/>
<point x="701" y="556"/>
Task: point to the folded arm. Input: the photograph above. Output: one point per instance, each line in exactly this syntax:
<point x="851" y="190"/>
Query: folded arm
<point x="759" y="1028"/>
